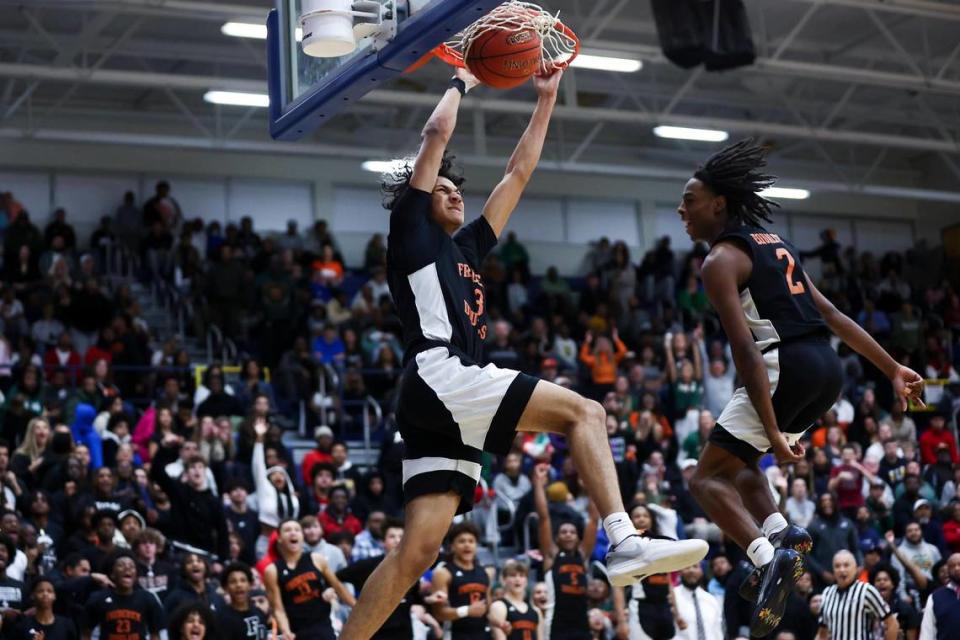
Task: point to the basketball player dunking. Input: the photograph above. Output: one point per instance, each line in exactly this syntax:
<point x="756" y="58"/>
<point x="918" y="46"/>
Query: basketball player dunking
<point x="778" y="325"/>
<point x="451" y="408"/>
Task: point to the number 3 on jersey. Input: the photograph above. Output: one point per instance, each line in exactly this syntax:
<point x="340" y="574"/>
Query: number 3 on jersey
<point x="796" y="288"/>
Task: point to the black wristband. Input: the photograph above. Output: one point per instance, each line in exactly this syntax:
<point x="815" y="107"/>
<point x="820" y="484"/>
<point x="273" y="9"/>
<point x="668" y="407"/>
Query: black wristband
<point x="459" y="85"/>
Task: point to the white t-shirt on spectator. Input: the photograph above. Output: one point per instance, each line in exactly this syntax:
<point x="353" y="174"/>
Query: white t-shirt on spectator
<point x="844" y="411"/>
<point x="800" y="512"/>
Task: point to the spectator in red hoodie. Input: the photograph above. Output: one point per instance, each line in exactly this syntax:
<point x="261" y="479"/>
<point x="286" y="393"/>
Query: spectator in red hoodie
<point x="102" y="349"/>
<point x="935" y="434"/>
<point x="62" y="356"/>
<point x="846" y="481"/>
<point x="321" y="453"/>
<point x="951" y="528"/>
<point x="337" y="517"/>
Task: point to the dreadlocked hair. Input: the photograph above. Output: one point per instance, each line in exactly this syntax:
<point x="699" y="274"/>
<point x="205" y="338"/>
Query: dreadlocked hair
<point x="396" y="182"/>
<point x="734" y="173"/>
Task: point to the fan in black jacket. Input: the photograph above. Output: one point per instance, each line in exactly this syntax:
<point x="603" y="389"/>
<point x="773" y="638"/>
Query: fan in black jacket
<point x="194" y="505"/>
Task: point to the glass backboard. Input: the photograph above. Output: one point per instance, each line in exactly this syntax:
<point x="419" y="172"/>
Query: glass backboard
<point x="306" y="92"/>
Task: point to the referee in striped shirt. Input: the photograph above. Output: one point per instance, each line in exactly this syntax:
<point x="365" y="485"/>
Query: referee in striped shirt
<point x="851" y="608"/>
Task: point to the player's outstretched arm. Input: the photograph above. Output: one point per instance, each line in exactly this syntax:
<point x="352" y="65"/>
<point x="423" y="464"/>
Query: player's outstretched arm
<point x="590" y="531"/>
<point x="320" y="562"/>
<point x="891" y="628"/>
<point x="907" y="383"/>
<point x="544" y="526"/>
<point x="506" y="195"/>
<point x="272" y="586"/>
<point x="436" y="135"/>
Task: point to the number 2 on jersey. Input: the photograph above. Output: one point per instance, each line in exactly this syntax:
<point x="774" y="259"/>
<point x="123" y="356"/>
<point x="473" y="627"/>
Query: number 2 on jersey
<point x="796" y="288"/>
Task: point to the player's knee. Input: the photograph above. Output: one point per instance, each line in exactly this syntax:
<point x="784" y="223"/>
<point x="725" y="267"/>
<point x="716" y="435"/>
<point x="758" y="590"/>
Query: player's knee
<point x="591" y="413"/>
<point x="417" y="554"/>
<point x="698" y="484"/>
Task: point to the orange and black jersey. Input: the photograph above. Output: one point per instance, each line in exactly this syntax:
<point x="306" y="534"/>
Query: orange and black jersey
<point x="568" y="582"/>
<point x="523" y="625"/>
<point x="435" y="278"/>
<point x="134" y="616"/>
<point x="466" y="587"/>
<point x="301" y="590"/>
<point x="776" y="299"/>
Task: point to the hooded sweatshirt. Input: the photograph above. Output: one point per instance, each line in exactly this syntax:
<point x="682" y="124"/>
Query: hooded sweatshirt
<point x="273" y="505"/>
<point x="831" y="534"/>
<point x="84" y="432"/>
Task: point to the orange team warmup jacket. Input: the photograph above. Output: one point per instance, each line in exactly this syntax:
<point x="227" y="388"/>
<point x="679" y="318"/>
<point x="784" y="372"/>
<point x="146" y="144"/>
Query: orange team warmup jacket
<point x="603" y="366"/>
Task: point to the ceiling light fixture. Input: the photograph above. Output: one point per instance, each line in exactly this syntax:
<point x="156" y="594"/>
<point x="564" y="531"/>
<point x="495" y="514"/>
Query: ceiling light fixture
<point x="237" y="98"/>
<point x="383" y="166"/>
<point x="251" y="30"/>
<point x="686" y="133"/>
<point x="606" y="63"/>
<point x="785" y="193"/>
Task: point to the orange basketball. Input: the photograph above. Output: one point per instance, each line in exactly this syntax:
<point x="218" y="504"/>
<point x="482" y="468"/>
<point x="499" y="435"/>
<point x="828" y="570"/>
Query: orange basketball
<point x="503" y="58"/>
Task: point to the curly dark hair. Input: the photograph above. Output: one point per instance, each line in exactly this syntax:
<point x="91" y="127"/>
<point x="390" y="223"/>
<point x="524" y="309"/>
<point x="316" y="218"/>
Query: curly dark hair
<point x="463" y="527"/>
<point x="734" y="173"/>
<point x="889" y="570"/>
<point x="179" y="617"/>
<point x="396" y="183"/>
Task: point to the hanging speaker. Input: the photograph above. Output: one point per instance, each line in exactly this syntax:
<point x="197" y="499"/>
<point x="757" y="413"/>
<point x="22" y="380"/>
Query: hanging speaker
<point x="681" y="31"/>
<point x="729" y="43"/>
<point x="715" y="33"/>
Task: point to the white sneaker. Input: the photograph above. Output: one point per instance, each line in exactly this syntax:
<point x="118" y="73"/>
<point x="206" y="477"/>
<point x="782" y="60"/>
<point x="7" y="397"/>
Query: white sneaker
<point x="638" y="557"/>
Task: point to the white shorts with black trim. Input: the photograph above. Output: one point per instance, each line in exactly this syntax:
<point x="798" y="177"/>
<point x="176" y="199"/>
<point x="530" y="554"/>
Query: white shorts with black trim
<point x="806" y="379"/>
<point x="450" y="410"/>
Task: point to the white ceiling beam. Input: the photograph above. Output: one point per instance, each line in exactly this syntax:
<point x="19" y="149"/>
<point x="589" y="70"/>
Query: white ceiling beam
<point x="651" y="54"/>
<point x="562" y="112"/>
<point x="361" y="153"/>
<point x="787" y="40"/>
<point x="921" y="8"/>
<point x="800" y="69"/>
<point x="217" y="11"/>
<point x="117" y="77"/>
<point x="229" y="51"/>
<point x="174" y="8"/>
<point x="594" y="114"/>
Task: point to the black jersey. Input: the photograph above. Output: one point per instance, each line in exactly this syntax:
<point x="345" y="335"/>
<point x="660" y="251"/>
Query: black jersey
<point x="523" y="625"/>
<point x="134" y="616"/>
<point x="301" y="590"/>
<point x="11" y="594"/>
<point x="29" y="629"/>
<point x="242" y="625"/>
<point x="654" y="589"/>
<point x="776" y="299"/>
<point x="652" y="598"/>
<point x="466" y="587"/>
<point x="568" y="582"/>
<point x="158" y="578"/>
<point x="435" y="278"/>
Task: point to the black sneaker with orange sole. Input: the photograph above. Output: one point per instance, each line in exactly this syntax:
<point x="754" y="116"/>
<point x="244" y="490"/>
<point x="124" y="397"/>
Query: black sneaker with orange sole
<point x="779" y="579"/>
<point x="793" y="537"/>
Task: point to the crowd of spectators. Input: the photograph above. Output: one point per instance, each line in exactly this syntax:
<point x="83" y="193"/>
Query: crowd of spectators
<point x="110" y="445"/>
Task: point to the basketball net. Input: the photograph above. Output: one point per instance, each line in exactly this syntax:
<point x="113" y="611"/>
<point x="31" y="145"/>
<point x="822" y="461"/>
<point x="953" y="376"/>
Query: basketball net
<point x="559" y="43"/>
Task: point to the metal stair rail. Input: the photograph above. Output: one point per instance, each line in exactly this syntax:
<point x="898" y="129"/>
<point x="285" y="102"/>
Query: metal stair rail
<point x="370" y="403"/>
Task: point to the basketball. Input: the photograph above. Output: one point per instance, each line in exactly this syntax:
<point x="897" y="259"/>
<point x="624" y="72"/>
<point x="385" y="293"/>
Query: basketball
<point x="502" y="58"/>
